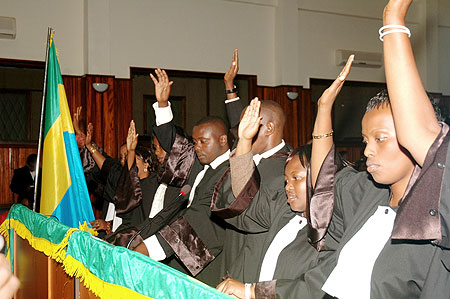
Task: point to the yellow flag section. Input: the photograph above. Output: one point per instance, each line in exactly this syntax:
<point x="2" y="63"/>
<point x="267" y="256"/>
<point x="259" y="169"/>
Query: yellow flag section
<point x="64" y="192"/>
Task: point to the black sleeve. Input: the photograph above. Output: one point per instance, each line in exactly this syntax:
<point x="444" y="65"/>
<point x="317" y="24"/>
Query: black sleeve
<point x="234" y="110"/>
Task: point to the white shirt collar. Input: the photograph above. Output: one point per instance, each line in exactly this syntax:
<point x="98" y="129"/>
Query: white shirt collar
<point x="220" y="159"/>
<point x="257" y="158"/>
<point x="273" y="150"/>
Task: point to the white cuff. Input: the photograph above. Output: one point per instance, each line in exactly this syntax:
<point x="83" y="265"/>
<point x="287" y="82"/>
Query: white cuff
<point x="163" y="114"/>
<point x="232" y="100"/>
<point x="155" y="250"/>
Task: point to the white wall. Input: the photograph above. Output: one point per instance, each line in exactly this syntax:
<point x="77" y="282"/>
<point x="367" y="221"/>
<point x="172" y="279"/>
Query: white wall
<point x="328" y="25"/>
<point x="192" y="35"/>
<point x="32" y="20"/>
<point x="280" y="41"/>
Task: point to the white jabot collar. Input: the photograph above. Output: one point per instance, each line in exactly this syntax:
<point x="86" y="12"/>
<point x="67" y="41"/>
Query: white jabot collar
<point x="220" y="159"/>
<point x="257" y="158"/>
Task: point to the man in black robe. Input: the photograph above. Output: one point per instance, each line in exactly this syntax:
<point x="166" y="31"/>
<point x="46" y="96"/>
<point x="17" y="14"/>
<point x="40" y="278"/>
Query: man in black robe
<point x="196" y="236"/>
<point x="268" y="151"/>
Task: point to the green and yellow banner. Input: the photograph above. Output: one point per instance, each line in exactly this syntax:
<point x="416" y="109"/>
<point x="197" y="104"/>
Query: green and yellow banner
<point x="108" y="271"/>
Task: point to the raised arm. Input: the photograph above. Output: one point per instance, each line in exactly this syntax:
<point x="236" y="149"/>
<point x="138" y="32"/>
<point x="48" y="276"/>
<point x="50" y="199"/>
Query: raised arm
<point x="79" y="134"/>
<point x="233" y="103"/>
<point x="162" y="87"/>
<point x="96" y="155"/>
<point x="76" y="121"/>
<point x="228" y="79"/>
<point x="132" y="140"/>
<point x="248" y="127"/>
<point x="415" y="122"/>
<point x="323" y="129"/>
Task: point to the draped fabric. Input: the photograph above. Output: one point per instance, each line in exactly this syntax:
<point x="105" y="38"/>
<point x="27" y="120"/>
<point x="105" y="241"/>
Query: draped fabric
<point x="178" y="163"/>
<point x="128" y="193"/>
<point x="108" y="271"/>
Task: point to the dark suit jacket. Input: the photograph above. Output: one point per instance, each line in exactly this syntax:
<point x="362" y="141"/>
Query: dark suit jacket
<point x="22" y="184"/>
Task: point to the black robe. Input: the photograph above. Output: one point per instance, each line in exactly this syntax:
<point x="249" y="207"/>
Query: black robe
<point x="134" y="198"/>
<point x="414" y="262"/>
<point x="270" y="216"/>
<point x="243" y="250"/>
<point x="196" y="237"/>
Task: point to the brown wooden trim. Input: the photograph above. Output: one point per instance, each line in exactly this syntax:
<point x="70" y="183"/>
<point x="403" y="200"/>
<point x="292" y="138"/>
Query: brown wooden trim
<point x="34" y="64"/>
<point x="183" y="112"/>
<point x="144" y="118"/>
<point x="96" y="76"/>
<point x="25" y="144"/>
<point x="348" y="83"/>
<point x="28" y="116"/>
<point x="253" y="87"/>
<point x="208" y="98"/>
<point x="193" y="74"/>
<point x="284" y="86"/>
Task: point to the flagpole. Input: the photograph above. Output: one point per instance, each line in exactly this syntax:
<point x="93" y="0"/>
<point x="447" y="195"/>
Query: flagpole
<point x="44" y="95"/>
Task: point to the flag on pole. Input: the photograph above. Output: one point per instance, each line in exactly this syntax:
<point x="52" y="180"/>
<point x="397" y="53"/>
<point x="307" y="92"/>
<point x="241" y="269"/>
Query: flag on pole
<point x="64" y="191"/>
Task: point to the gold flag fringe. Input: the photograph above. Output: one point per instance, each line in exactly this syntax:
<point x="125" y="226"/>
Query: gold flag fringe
<point x="71" y="266"/>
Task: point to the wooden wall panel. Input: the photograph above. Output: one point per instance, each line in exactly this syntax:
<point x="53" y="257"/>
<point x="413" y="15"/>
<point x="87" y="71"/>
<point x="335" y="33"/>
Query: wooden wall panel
<point x="100" y="111"/>
<point x="12" y="157"/>
<point x="110" y="112"/>
<point x="124" y="108"/>
<point x="300" y="115"/>
<point x="299" y="112"/>
<point x="75" y="92"/>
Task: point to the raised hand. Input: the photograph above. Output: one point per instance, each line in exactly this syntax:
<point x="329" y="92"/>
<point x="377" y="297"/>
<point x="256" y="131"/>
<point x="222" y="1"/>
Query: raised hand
<point x="90" y="132"/>
<point x="132" y="138"/>
<point x="329" y="95"/>
<point x="76" y="121"/>
<point x="250" y="122"/>
<point x="323" y="128"/>
<point x="395" y="12"/>
<point x="232" y="71"/>
<point x="162" y="87"/>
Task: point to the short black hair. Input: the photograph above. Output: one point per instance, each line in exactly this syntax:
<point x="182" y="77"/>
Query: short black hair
<point x="304" y="154"/>
<point x="31" y="159"/>
<point x="216" y="120"/>
<point x="148" y="156"/>
<point x="379" y="100"/>
<point x="211" y="119"/>
<point x="382" y="99"/>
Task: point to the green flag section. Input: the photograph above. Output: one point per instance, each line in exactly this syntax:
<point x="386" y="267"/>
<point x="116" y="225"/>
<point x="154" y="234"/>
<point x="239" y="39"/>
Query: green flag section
<point x="108" y="271"/>
<point x="64" y="191"/>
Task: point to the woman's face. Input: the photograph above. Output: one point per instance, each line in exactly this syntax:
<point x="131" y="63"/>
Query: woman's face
<point x="159" y="152"/>
<point x="141" y="165"/>
<point x="387" y="161"/>
<point x="295" y="178"/>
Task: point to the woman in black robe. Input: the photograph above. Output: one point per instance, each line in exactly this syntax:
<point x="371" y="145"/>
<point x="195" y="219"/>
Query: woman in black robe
<point x="389" y="225"/>
<point x="280" y="219"/>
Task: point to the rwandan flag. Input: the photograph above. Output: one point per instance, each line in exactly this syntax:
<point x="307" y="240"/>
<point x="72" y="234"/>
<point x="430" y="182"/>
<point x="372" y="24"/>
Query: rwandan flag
<point x="64" y="191"/>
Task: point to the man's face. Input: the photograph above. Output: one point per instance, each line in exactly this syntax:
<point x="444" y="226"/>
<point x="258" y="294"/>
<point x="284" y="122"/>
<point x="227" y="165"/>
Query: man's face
<point x="208" y="144"/>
